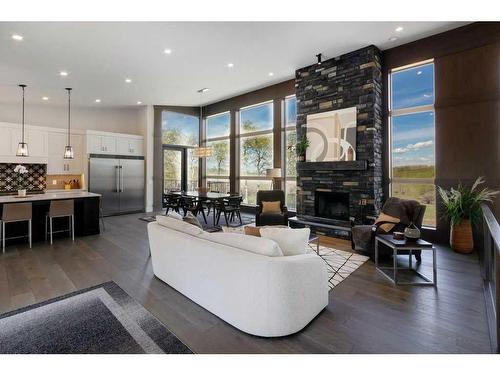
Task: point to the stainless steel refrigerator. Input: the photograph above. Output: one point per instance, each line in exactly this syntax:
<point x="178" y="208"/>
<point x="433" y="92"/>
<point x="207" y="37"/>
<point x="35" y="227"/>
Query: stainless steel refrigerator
<point x="120" y="181"/>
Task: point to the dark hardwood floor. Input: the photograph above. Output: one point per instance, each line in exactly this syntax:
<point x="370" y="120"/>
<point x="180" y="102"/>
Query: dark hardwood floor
<point x="366" y="314"/>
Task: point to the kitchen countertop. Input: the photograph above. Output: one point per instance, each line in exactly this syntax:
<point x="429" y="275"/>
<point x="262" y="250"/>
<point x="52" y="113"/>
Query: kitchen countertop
<point x="48" y="196"/>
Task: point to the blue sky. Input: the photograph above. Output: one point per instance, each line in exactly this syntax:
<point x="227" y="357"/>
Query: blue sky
<point x="261" y="116"/>
<point x="189" y="125"/>
<point x="218" y="126"/>
<point x="413" y="135"/>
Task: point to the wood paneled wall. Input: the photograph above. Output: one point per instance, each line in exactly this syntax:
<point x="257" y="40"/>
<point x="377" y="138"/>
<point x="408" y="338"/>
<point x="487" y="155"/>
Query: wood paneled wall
<point x="467" y="88"/>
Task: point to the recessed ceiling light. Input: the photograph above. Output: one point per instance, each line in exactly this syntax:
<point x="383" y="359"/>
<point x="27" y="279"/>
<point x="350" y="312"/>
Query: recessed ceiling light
<point x="393" y="39"/>
<point x="167" y="51"/>
<point x="205" y="89"/>
<point x="17" y="37"/>
<point x="98" y="100"/>
<point x="419" y="72"/>
<point x="128" y="80"/>
<point x="270" y="74"/>
<point x="63" y="73"/>
<point x="399" y="29"/>
<point x="139" y="103"/>
<point x="230" y="65"/>
<point x="45" y="98"/>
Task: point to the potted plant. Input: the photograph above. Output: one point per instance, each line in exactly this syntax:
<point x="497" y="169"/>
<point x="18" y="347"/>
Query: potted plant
<point x="301" y="148"/>
<point x="463" y="209"/>
<point x="20" y="170"/>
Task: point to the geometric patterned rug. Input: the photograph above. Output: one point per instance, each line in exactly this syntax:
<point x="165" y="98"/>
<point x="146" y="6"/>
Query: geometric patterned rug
<point x="340" y="264"/>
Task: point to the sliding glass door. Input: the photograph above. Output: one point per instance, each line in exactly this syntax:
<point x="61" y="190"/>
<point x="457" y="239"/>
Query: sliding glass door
<point x="180" y="169"/>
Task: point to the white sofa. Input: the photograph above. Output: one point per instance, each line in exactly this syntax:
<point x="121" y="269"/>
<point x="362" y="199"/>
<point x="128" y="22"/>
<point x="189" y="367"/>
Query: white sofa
<point x="261" y="295"/>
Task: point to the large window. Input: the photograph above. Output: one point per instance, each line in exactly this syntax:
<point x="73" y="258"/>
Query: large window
<point x="256" y="149"/>
<point x="217" y="167"/>
<point x="411" y="119"/>
<point x="180" y="133"/>
<point x="289" y="154"/>
<point x="180" y="129"/>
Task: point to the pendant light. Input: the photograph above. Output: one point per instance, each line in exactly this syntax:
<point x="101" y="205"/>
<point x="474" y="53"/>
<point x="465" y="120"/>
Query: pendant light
<point x="22" y="147"/>
<point x="68" y="150"/>
<point x="202" y="152"/>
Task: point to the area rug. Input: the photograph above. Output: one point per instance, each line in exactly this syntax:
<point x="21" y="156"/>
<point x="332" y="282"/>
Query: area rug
<point x="340" y="264"/>
<point x="101" y="319"/>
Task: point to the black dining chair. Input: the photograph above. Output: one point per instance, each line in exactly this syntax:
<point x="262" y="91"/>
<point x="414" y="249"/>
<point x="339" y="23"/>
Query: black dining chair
<point x="193" y="205"/>
<point x="230" y="207"/>
<point x="171" y="202"/>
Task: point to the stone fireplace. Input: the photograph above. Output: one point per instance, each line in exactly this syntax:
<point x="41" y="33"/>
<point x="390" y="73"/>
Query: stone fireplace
<point x="350" y="80"/>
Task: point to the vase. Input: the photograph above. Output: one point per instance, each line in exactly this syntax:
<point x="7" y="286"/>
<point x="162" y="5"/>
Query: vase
<point x="461" y="239"/>
<point x="21" y="192"/>
<point x="412" y="233"/>
<point x="301" y="158"/>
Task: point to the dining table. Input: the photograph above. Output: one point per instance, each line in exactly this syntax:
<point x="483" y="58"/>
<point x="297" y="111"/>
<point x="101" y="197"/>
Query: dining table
<point x="209" y="196"/>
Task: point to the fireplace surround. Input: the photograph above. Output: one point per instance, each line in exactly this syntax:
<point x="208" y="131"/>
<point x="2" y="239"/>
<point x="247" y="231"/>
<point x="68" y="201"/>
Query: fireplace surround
<point x="350" y="80"/>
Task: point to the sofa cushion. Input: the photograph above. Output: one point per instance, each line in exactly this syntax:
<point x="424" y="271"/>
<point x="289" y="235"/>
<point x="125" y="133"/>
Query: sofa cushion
<point x="178" y="225"/>
<point x="174" y="215"/>
<point x="273" y="207"/>
<point x="252" y="244"/>
<point x="291" y="241"/>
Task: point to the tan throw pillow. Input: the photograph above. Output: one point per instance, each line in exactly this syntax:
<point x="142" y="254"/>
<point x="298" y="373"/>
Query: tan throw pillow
<point x="252" y="231"/>
<point x="388" y="226"/>
<point x="271" y="207"/>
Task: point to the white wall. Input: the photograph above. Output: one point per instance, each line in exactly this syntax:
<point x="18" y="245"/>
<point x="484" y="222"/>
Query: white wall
<point x="120" y="120"/>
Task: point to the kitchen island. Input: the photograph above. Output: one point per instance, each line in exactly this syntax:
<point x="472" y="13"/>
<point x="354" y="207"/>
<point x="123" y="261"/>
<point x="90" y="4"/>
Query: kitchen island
<point x="86" y="214"/>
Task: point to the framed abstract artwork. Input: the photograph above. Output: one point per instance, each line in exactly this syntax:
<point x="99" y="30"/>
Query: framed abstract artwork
<point x="332" y="135"/>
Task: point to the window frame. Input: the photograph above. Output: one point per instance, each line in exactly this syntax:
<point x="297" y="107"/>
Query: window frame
<point x="409" y="111"/>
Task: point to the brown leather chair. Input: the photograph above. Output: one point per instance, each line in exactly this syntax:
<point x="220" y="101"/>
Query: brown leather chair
<point x="13" y="212"/>
<point x="280" y="218"/>
<point x="407" y="211"/>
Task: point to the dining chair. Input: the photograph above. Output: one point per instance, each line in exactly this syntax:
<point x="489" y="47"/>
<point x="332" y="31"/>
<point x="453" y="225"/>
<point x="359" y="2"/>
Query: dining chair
<point x="230" y="207"/>
<point x="193" y="205"/>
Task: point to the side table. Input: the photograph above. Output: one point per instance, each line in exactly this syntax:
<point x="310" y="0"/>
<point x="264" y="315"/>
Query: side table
<point x="407" y="246"/>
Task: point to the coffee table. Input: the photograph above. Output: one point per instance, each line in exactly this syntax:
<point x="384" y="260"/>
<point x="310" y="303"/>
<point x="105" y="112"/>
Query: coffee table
<point x="407" y="246"/>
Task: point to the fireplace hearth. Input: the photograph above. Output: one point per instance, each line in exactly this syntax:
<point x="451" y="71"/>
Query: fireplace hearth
<point x="331" y="205"/>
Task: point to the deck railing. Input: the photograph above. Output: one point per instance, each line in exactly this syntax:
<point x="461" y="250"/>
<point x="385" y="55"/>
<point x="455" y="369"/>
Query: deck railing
<point x="491" y="273"/>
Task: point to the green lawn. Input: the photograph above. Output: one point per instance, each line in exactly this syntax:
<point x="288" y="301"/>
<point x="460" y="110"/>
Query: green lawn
<point x="414" y="171"/>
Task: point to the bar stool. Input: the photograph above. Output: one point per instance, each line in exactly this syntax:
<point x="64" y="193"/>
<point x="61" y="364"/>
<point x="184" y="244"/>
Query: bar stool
<point x="14" y="212"/>
<point x="61" y="208"/>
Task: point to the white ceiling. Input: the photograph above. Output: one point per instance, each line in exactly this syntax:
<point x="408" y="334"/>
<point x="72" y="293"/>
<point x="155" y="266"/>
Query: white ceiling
<point x="99" y="56"/>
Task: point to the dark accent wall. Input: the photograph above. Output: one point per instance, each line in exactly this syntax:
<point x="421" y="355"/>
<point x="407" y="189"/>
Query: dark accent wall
<point x="34" y="181"/>
<point x="467" y="105"/>
<point x="350" y="80"/>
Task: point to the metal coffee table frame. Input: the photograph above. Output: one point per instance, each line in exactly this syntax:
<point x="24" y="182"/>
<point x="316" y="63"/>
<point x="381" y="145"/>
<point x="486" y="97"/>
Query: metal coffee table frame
<point x="407" y="247"/>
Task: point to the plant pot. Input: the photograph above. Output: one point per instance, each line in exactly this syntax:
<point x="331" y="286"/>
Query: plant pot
<point x="461" y="239"/>
<point x="301" y="158"/>
<point x="21" y="192"/>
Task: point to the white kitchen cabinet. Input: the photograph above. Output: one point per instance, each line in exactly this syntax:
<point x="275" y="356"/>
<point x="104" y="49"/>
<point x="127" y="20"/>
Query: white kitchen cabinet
<point x="101" y="144"/>
<point x="56" y="163"/>
<point x="35" y="137"/>
<point x="129" y="146"/>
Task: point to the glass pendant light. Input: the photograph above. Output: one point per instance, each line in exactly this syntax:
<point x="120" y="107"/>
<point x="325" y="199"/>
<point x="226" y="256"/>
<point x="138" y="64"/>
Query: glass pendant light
<point x="22" y="147"/>
<point x="68" y="150"/>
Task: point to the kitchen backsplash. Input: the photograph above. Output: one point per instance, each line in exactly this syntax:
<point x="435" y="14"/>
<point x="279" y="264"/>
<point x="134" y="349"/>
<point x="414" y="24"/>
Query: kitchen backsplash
<point x="33" y="181"/>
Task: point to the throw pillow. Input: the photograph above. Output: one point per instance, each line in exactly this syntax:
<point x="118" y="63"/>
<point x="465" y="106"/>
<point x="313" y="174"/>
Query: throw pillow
<point x="387" y="227"/>
<point x="291" y="241"/>
<point x="271" y="207"/>
<point x="252" y="231"/>
<point x="191" y="219"/>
